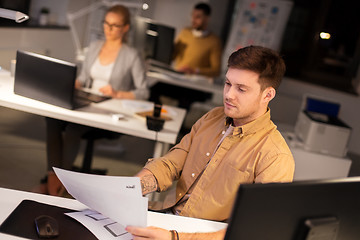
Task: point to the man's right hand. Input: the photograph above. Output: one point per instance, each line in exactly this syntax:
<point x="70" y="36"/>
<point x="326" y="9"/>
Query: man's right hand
<point x="187" y="70"/>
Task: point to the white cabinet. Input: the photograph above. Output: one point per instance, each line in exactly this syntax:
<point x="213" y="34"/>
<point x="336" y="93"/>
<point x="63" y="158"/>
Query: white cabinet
<point x="311" y="165"/>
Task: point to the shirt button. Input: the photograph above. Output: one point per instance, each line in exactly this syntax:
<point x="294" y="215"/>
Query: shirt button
<point x="180" y="194"/>
<point x="223" y="132"/>
<point x="193" y="174"/>
<point x="207" y="154"/>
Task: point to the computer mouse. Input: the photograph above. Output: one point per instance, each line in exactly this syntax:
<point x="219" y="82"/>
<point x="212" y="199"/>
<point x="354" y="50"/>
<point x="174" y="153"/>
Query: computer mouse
<point x="46" y="226"/>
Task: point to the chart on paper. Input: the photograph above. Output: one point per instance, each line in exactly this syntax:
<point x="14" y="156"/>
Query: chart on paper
<point x="102" y="227"/>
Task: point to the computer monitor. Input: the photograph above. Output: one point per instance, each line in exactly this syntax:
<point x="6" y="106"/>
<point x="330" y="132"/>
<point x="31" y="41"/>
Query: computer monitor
<point x="44" y="78"/>
<point x="50" y="80"/>
<point x="154" y="40"/>
<point x="322" y="209"/>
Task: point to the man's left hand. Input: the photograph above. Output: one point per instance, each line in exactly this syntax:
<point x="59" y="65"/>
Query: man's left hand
<point x="188" y="70"/>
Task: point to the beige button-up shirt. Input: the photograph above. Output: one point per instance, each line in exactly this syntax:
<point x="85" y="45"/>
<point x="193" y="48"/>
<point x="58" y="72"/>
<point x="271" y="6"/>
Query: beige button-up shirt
<point x="253" y="153"/>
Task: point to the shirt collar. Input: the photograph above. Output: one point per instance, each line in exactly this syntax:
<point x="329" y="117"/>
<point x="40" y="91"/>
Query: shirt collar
<point x="251" y="127"/>
<point x="200" y="33"/>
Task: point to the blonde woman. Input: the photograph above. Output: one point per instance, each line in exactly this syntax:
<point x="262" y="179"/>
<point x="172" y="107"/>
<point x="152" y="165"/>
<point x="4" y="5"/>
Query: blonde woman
<point x="111" y="67"/>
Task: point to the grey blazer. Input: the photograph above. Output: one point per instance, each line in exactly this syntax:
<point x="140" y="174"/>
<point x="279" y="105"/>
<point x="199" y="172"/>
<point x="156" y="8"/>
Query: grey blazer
<point x="128" y="73"/>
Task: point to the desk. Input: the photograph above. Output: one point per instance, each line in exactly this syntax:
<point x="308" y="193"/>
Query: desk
<point x="96" y="115"/>
<point x="191" y="82"/>
<point x="11" y="198"/>
<point x="312" y="166"/>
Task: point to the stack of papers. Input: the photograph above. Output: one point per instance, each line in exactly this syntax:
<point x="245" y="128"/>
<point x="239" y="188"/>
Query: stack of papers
<point x="114" y="202"/>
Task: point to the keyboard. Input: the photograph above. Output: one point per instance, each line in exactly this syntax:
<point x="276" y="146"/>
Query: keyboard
<point x="92" y="97"/>
<point x="162" y="68"/>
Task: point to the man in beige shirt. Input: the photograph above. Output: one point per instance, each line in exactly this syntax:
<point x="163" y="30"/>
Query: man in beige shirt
<point x="230" y="145"/>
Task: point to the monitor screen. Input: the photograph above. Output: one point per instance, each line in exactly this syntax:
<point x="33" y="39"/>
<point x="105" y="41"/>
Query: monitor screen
<point x="155" y="41"/>
<point x="295" y="211"/>
<point x="44" y="78"/>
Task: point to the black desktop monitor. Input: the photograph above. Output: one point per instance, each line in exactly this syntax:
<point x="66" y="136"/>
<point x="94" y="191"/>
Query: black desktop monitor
<point x="44" y="78"/>
<point x="155" y="41"/>
<point x="297" y="211"/>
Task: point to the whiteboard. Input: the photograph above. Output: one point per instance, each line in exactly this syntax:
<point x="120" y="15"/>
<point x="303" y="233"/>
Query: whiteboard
<point x="257" y="22"/>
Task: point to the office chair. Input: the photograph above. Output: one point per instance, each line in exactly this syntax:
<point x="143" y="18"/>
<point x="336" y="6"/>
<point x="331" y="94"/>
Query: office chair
<point x="91" y="137"/>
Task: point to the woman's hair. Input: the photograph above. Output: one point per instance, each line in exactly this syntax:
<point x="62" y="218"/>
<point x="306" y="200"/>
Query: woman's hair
<point x="264" y="61"/>
<point x="121" y="10"/>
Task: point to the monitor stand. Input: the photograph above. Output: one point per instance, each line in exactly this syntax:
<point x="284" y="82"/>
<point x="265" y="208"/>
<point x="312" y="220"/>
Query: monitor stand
<point x="319" y="229"/>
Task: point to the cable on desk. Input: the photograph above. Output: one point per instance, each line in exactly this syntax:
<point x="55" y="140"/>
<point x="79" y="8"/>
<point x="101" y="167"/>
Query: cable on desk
<point x="156" y="135"/>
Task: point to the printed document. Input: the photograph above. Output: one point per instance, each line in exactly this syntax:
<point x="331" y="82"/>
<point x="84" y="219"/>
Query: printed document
<point x="119" y="200"/>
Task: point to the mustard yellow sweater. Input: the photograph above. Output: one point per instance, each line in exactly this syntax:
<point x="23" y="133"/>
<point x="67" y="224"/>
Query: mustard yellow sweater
<point x="200" y="53"/>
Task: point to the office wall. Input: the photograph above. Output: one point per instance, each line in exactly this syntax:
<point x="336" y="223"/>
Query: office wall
<point x="57" y="10"/>
<point x="82" y="24"/>
<point x="52" y="42"/>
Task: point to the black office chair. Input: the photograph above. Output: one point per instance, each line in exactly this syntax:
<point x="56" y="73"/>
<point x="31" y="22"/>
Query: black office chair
<point x="91" y="137"/>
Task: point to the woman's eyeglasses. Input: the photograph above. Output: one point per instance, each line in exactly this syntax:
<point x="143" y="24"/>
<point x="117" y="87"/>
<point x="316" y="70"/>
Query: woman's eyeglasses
<point x="111" y="26"/>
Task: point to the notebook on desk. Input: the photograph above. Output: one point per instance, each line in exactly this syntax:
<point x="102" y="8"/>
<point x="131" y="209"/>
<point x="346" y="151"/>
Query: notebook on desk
<point x="50" y="80"/>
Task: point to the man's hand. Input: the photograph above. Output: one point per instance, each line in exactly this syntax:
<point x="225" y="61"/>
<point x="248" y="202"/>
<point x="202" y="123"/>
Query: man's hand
<point x="148" y="233"/>
<point x="188" y="70"/>
<point x="140" y="233"/>
<point x="78" y="84"/>
<point x="108" y="90"/>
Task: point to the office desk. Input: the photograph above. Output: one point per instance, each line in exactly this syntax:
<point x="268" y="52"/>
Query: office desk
<point x="312" y="166"/>
<point x="191" y="82"/>
<point x="97" y="115"/>
<point x="11" y="198"/>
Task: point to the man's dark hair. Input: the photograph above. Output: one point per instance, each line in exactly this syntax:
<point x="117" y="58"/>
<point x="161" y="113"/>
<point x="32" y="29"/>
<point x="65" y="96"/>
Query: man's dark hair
<point x="203" y="7"/>
<point x="266" y="62"/>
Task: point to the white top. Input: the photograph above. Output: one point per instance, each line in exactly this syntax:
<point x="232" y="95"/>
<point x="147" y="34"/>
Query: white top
<point x="100" y="74"/>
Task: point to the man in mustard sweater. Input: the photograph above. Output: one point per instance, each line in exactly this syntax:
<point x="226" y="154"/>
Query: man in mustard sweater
<point x="196" y="51"/>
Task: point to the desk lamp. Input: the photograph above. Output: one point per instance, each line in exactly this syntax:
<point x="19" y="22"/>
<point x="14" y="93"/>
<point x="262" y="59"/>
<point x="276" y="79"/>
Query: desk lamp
<point x="13" y="15"/>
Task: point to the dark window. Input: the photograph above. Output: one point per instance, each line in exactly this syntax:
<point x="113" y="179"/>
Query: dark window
<point x="333" y="62"/>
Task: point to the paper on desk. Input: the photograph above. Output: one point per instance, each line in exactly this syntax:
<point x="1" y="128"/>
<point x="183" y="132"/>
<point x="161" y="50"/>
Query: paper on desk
<point x="118" y="198"/>
<point x="142" y="106"/>
<point x="136" y="105"/>
<point x="102" y="227"/>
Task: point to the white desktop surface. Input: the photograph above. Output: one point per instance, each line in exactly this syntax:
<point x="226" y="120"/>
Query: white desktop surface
<point x="315" y="166"/>
<point x="95" y="115"/>
<point x="11" y="198"/>
<point x="187" y="81"/>
<point x="312" y="166"/>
